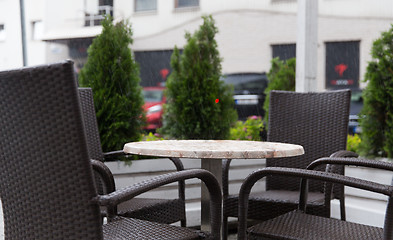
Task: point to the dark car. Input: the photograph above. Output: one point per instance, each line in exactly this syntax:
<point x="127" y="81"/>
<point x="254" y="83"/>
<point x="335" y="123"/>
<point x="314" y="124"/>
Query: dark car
<point x="248" y="93"/>
<point x="356" y="107"/>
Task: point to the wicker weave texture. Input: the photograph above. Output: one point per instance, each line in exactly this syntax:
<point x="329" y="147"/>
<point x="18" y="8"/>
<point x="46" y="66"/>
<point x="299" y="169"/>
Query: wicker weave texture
<point x="44" y="159"/>
<point x="152" y="209"/>
<point x="46" y="181"/>
<point x="210" y="181"/>
<point x="317" y="121"/>
<point x="128" y="228"/>
<point x="91" y="125"/>
<point x="299" y="225"/>
<point x="158" y="210"/>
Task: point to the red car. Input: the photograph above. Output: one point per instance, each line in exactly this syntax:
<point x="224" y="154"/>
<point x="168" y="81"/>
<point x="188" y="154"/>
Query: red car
<point x="154" y="100"/>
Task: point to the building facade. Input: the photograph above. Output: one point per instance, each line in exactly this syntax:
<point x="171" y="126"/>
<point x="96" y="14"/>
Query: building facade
<point x="251" y="33"/>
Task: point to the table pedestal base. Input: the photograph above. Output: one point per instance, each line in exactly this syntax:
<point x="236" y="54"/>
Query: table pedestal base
<point x="215" y="167"/>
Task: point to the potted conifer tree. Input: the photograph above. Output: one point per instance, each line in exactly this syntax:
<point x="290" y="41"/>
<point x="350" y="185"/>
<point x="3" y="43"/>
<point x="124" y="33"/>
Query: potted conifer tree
<point x="376" y="119"/>
<point x="113" y="75"/>
<point x="200" y="105"/>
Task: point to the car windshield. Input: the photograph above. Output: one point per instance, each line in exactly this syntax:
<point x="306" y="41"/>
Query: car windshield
<point x="153" y="95"/>
<point x="246" y="82"/>
<point x="356" y="102"/>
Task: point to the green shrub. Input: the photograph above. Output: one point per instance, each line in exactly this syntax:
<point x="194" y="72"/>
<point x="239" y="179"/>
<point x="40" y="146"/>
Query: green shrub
<point x="377" y="115"/>
<point x="152" y="137"/>
<point x="353" y="143"/>
<point x="281" y="76"/>
<point x="200" y="106"/>
<point x="113" y="76"/>
<point x="249" y="130"/>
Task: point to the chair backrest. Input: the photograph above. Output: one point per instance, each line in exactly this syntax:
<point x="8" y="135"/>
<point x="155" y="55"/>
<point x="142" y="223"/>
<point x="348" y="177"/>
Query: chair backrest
<point x="46" y="180"/>
<point x="317" y="121"/>
<point x="93" y="139"/>
<point x="91" y="126"/>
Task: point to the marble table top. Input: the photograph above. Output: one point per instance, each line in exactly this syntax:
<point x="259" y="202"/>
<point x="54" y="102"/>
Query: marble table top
<point x="220" y="149"/>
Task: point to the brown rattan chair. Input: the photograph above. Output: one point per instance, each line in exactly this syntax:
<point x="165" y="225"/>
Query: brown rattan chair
<point x="316" y="121"/>
<point x="297" y="224"/>
<point x="151" y="209"/>
<point x="47" y="187"/>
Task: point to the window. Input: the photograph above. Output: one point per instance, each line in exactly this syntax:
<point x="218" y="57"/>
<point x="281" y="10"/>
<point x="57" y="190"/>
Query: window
<point x="284" y="51"/>
<point x="37" y="30"/>
<point x="145" y="5"/>
<point x="155" y="66"/>
<point x="2" y="32"/>
<point x="342" y="65"/>
<point x="187" y="3"/>
<point x="95" y="11"/>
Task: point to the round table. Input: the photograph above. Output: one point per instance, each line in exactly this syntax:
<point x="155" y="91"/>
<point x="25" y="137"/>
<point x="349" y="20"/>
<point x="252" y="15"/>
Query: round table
<point x="213" y="149"/>
<point x="211" y="152"/>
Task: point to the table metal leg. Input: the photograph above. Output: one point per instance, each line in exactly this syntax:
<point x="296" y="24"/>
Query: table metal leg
<point x="215" y="167"/>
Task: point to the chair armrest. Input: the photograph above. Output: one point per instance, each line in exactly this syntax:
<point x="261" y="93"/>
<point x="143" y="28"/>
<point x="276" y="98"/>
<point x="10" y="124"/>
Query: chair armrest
<point x="344" y="153"/>
<point x="305" y="174"/>
<point x="114" y="155"/>
<point x="105" y="174"/>
<point x="331" y="166"/>
<point x="127" y="193"/>
<point x="351" y="162"/>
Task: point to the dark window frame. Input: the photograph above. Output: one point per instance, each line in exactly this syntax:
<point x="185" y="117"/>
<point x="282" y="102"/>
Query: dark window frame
<point x="347" y="75"/>
<point x="290" y="51"/>
<point x="151" y="63"/>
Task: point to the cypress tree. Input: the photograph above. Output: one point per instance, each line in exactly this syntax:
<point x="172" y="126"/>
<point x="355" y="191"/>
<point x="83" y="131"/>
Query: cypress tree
<point x="113" y="75"/>
<point x="377" y="112"/>
<point x="200" y="105"/>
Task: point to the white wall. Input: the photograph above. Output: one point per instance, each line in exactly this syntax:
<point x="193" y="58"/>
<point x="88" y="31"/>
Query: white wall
<point x="245" y="37"/>
<point x="11" y="46"/>
<point x="64" y="15"/>
<point x="35" y="12"/>
<point x="247" y="28"/>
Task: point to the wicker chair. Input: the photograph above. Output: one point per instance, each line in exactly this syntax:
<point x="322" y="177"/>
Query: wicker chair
<point x="318" y="122"/>
<point x="297" y="224"/>
<point x="46" y="180"/>
<point x="156" y="210"/>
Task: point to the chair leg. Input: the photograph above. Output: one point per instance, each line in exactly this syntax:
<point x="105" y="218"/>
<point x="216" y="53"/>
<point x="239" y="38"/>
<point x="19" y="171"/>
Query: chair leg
<point x="342" y="207"/>
<point x="224" y="227"/>
<point x="183" y="223"/>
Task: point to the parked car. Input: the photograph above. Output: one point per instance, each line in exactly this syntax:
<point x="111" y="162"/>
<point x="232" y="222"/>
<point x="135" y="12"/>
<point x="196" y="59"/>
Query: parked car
<point x="154" y="99"/>
<point x="248" y="93"/>
<point x="356" y="107"/>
